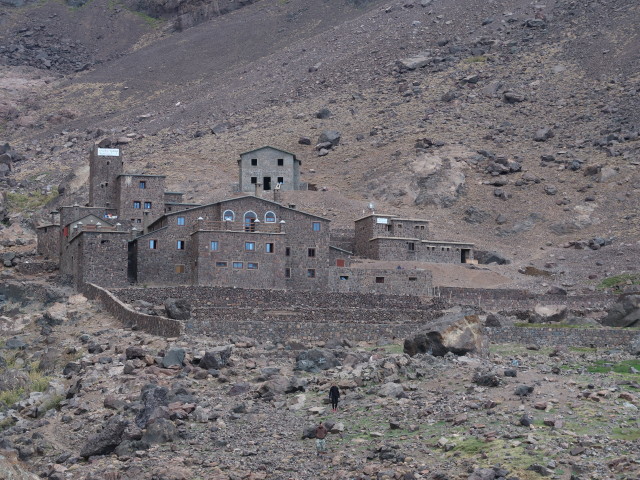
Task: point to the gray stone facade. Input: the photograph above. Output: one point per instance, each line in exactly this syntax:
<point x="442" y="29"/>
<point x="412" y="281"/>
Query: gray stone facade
<point x="268" y="167"/>
<point x="133" y="231"/>
<point x="385" y="237"/>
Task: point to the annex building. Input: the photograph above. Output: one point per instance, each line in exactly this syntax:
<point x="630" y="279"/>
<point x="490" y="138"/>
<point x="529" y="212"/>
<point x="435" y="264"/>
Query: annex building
<point x="135" y="232"/>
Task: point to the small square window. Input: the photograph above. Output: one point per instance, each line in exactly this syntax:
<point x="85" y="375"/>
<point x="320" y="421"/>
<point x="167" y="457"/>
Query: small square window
<point x="269" y="248"/>
<point x="287" y="273"/>
<point x="316" y="226"/>
<point x="281" y="180"/>
<point x="379" y="279"/>
<point x="179" y="268"/>
<point x="250" y="246"/>
<point x="143" y="184"/>
<point x="214" y="246"/>
<point x="312" y="252"/>
<point x="221" y="264"/>
<point x="252" y="266"/>
<point x="137" y="205"/>
<point x="254" y="179"/>
<point x="147" y="205"/>
<point x="254" y="162"/>
<point x="281" y="162"/>
<point x="180" y="244"/>
<point x="311" y="273"/>
<point x="181" y="221"/>
<point x="138" y="220"/>
<point x="153" y="244"/>
<point x="237" y="265"/>
<point x="287" y="252"/>
<point x="344" y="277"/>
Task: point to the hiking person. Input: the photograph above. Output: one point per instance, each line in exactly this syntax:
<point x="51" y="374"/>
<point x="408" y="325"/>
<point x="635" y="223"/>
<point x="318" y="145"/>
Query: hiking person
<point x="334" y="396"/>
<point x="321" y="434"/>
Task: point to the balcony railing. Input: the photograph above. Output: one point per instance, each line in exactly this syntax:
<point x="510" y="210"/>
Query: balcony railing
<point x="228" y="226"/>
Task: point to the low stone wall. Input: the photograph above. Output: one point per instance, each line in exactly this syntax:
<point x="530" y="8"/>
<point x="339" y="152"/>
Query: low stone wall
<point x="512" y="299"/>
<point x="163" y="327"/>
<point x="201" y="296"/>
<point x="36" y="267"/>
<point x="571" y="337"/>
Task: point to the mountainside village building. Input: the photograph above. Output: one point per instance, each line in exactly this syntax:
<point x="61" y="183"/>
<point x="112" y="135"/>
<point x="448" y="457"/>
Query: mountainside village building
<point x="135" y="232"/>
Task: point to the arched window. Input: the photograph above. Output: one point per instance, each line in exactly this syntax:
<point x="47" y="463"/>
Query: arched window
<point x="250" y="221"/>
<point x="270" y="217"/>
<point x="228" y="216"/>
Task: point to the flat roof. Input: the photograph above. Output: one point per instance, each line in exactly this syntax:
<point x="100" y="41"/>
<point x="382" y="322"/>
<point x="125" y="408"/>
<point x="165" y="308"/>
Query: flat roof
<point x="375" y="215"/>
<point x="48" y="225"/>
<point x="140" y="175"/>
<point x="437" y="242"/>
<point x="180" y="203"/>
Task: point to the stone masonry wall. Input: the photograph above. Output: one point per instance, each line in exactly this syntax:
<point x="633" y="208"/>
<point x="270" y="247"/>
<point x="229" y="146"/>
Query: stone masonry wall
<point x="163" y="327"/>
<point x="571" y="337"/>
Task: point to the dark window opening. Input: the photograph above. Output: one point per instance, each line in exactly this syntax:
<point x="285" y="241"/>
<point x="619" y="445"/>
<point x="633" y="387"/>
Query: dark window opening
<point x="181" y="244"/>
<point x="411" y="246"/>
<point x="142" y="184"/>
<point x="287" y="273"/>
<point x="252" y="266"/>
<point x="266" y="183"/>
<point x="312" y="252"/>
<point x="254" y="179"/>
<point x="344" y="277"/>
<point x="311" y="273"/>
<point x="221" y="264"/>
<point x="287" y="252"/>
<point x="147" y="205"/>
<point x="379" y="279"/>
<point x="280" y="179"/>
<point x="413" y="279"/>
<point x="254" y="162"/>
<point x="281" y="162"/>
<point x="269" y="248"/>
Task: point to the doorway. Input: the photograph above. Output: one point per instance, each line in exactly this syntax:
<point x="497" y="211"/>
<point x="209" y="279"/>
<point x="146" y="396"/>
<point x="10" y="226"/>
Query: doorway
<point x="266" y="183"/>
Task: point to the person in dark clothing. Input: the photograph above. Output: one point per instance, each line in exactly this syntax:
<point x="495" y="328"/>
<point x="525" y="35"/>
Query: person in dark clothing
<point x="321" y="434"/>
<point x="334" y="396"/>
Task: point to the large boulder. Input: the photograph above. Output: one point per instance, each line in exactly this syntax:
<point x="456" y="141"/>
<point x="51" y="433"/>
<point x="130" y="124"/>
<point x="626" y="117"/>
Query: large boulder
<point x="456" y="333"/>
<point x="625" y="312"/>
<point x="316" y="359"/>
<point x="549" y="313"/>
<point x="485" y="258"/>
<point x="12" y="468"/>
<point x="153" y="398"/>
<point x="216" y="358"/>
<point x="106" y="440"/>
<point x="177" y="308"/>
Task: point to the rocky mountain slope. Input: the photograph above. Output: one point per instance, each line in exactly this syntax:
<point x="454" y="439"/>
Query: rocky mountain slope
<point x="107" y="402"/>
<point x="511" y="124"/>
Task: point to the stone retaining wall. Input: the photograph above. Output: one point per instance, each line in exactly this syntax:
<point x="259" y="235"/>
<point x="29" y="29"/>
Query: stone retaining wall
<point x="512" y="299"/>
<point x="163" y="327"/>
<point x="570" y="337"/>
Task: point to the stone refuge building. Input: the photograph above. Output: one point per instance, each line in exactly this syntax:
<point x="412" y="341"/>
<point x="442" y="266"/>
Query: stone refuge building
<point x="133" y="231"/>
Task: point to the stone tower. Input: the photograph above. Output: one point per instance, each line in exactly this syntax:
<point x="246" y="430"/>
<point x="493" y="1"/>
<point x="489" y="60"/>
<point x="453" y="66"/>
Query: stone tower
<point x="105" y="164"/>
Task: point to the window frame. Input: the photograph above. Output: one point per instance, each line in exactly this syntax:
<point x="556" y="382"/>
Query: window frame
<point x="137" y="204"/>
<point x="227" y="218"/>
<point x="254" y="162"/>
<point x="316" y="226"/>
<point x="222" y="264"/>
<point x="249" y="246"/>
<point x="252" y="266"/>
<point x="181" y="243"/>
<point x="311" y="273"/>
<point x="311" y="252"/>
<point x="147" y="205"/>
<point x="142" y="184"/>
<point x="180" y="268"/>
<point x="153" y="244"/>
<point x="269" y="247"/>
<point x="270" y="217"/>
<point x="237" y="265"/>
<point x="180" y="221"/>
<point x="211" y="246"/>
<point x="280" y="162"/>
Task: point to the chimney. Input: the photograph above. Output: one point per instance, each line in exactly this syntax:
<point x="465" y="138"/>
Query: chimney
<point x="258" y="189"/>
<point x="277" y="197"/>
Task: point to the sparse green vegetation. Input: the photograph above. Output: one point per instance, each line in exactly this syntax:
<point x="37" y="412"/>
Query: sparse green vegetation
<point x="617" y="282"/>
<point x="476" y="59"/>
<point x="624" y="367"/>
<point x="9" y="397"/>
<point x="20" y="202"/>
<point x="627" y="434"/>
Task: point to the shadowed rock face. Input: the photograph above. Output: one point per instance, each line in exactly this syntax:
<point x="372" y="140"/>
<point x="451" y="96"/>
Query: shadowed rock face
<point x="459" y="334"/>
<point x="624" y="313"/>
